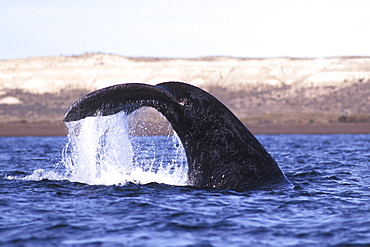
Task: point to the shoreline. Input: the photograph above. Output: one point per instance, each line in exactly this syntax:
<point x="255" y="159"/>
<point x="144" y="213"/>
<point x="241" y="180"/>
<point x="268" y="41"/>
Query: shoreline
<point x="59" y="129"/>
<point x="313" y="129"/>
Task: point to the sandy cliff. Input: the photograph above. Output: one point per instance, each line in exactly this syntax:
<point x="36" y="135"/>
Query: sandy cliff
<point x="259" y="91"/>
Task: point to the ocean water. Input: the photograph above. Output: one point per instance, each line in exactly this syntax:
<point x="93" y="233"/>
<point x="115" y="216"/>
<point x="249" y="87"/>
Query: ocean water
<point x="107" y="188"/>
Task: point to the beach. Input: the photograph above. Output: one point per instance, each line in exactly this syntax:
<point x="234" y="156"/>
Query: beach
<point x="59" y="129"/>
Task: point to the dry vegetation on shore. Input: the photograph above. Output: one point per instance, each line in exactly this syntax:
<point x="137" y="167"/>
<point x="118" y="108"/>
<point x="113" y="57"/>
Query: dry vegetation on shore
<point x="258" y="91"/>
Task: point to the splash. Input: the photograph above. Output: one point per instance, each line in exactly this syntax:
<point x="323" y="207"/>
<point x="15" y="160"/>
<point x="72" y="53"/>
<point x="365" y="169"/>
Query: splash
<point x="98" y="150"/>
<point x="101" y="151"/>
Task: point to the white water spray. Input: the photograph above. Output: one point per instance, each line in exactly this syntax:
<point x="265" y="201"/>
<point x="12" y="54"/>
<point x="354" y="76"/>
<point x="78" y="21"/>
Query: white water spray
<point x="99" y="151"/>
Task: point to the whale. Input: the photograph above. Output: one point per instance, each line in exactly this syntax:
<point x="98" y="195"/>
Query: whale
<point x="221" y="152"/>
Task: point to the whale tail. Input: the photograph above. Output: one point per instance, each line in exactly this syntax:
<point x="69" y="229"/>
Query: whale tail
<point x="221" y="152"/>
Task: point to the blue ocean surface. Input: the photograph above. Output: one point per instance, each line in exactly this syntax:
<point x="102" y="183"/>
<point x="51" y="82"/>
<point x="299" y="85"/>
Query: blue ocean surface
<point x="50" y="197"/>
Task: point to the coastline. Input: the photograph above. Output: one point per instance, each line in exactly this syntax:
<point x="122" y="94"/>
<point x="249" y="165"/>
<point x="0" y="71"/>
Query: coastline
<point x="19" y="129"/>
<point x="270" y="95"/>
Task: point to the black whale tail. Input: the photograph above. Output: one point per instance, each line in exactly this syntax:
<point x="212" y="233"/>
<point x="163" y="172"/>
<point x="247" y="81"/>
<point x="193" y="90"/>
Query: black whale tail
<point x="221" y="152"/>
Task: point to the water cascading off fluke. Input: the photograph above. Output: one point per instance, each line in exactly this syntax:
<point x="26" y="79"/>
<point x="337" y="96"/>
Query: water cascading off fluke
<point x="101" y="151"/>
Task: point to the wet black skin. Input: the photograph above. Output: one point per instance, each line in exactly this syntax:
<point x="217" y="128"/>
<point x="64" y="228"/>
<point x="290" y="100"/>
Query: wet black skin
<point x="221" y="152"/>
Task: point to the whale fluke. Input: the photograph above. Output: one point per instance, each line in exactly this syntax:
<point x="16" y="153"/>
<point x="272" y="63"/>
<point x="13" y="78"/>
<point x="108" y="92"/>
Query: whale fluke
<point x="221" y="152"/>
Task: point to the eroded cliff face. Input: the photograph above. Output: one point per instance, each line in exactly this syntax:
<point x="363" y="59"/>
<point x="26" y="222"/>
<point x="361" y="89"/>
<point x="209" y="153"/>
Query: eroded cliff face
<point x="257" y="90"/>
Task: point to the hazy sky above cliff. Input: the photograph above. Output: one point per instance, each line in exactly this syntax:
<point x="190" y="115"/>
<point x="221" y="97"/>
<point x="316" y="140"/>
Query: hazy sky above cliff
<point x="185" y="28"/>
